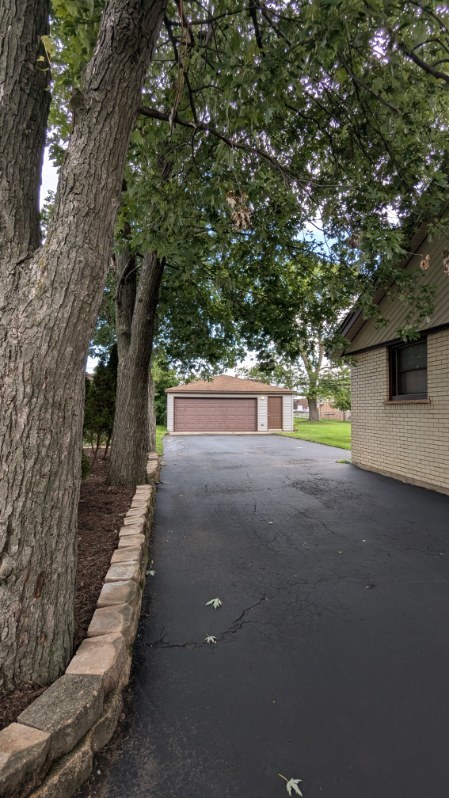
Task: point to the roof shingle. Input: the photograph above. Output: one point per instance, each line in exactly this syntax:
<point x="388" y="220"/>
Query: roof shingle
<point x="227" y="384"/>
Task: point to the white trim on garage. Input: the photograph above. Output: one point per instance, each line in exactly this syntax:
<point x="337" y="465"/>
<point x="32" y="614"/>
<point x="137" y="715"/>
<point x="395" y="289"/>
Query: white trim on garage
<point x="170" y="412"/>
<point x="287" y="413"/>
<point x="262" y="414"/>
<point x="262" y="408"/>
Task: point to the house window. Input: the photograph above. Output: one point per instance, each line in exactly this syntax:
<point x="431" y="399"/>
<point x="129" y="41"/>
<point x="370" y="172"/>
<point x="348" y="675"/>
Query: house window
<point x="408" y="371"/>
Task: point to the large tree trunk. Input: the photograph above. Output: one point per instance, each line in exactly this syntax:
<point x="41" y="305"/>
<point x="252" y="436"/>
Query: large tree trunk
<point x="49" y="303"/>
<point x="314" y="410"/>
<point x="135" y="326"/>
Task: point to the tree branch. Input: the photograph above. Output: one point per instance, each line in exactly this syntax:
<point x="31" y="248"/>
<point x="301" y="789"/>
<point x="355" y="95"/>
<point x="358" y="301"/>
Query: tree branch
<point x="436" y="73"/>
<point x="253" y="14"/>
<point x="152" y="113"/>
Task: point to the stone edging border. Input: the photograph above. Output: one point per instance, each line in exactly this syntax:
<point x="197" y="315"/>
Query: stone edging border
<point x="48" y="752"/>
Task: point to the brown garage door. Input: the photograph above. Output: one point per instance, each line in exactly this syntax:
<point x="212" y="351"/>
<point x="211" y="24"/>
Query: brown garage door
<point x="215" y="415"/>
<point x="275" y="412"/>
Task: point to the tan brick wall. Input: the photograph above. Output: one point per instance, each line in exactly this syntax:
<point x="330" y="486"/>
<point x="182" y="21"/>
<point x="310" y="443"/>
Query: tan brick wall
<point x="406" y="440"/>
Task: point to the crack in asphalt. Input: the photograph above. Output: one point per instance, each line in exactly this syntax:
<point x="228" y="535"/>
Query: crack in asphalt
<point x="235" y="626"/>
<point x="240" y="621"/>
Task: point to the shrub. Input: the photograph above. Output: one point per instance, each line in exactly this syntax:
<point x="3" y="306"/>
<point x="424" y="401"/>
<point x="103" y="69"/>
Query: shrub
<point x="100" y="402"/>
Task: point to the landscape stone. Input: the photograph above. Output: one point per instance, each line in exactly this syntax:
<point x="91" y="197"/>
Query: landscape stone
<point x="123" y="572"/>
<point x="118" y="618"/>
<point x="66" y="710"/>
<point x="132" y="529"/>
<point x="143" y="500"/>
<point x="139" y="510"/>
<point x="104" y="728"/>
<point x="143" y="490"/>
<point x="141" y="507"/>
<point x="68" y="774"/>
<point x="127" y="554"/>
<point x="118" y="593"/>
<point x="22" y="754"/>
<point x="152" y="470"/>
<point x="134" y="520"/>
<point x="131" y="540"/>
<point x="147" y="498"/>
<point x="104" y="656"/>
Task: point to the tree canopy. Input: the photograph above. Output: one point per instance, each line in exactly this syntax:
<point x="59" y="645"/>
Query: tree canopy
<point x="265" y="120"/>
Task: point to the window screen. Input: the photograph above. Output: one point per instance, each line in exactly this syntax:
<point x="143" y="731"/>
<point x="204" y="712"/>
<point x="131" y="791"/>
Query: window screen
<point x="408" y="369"/>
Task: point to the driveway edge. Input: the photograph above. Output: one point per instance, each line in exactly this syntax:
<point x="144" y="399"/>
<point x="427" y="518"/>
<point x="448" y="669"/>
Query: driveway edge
<point x="48" y="752"/>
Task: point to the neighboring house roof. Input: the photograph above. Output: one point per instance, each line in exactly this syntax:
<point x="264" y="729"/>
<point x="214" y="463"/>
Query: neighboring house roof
<point x="364" y="333"/>
<point x="227" y="384"/>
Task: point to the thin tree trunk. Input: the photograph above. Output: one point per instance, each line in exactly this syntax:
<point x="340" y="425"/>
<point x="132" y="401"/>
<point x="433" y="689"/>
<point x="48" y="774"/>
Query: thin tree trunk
<point x="106" y="451"/>
<point x="313" y="370"/>
<point x="314" y="410"/>
<point x="49" y="302"/>
<point x="131" y="432"/>
<point x="151" y="414"/>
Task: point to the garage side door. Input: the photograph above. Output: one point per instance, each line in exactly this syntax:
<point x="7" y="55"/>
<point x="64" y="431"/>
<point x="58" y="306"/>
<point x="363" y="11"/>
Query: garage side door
<point x="215" y="415"/>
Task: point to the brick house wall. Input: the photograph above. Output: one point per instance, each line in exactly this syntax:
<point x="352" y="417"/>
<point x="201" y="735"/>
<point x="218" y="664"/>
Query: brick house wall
<point x="408" y="440"/>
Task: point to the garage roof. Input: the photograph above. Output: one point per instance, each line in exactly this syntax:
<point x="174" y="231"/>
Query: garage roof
<point x="227" y="384"/>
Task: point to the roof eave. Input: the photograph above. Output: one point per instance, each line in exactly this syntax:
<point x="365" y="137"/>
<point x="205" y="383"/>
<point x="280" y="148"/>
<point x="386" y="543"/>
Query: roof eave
<point x="354" y="321"/>
<point x="286" y="391"/>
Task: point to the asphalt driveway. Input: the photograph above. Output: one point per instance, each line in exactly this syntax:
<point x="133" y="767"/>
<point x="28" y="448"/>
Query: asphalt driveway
<point x="332" y="657"/>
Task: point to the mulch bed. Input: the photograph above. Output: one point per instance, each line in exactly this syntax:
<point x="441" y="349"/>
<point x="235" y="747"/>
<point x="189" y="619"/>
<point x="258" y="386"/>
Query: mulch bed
<point x="100" y="513"/>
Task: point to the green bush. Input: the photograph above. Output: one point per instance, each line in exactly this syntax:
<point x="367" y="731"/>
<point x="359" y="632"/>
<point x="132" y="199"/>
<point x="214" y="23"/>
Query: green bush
<point x="99" y="404"/>
<point x="163" y="377"/>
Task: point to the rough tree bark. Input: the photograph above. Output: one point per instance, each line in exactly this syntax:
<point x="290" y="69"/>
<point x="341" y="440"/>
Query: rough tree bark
<point x="24" y="106"/>
<point x="135" y="312"/>
<point x="49" y="298"/>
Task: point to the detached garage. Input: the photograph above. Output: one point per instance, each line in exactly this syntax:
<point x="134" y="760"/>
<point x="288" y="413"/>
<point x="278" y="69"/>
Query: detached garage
<point x="229" y="404"/>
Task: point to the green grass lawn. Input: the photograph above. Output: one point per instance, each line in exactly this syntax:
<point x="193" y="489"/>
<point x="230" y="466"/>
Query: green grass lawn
<point x="160" y="432"/>
<point x="332" y="433"/>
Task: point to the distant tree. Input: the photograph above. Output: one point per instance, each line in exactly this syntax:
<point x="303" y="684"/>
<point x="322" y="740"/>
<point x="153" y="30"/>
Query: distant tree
<point x="100" y="403"/>
<point x="339" y="388"/>
<point x="331" y="383"/>
<point x="163" y="377"/>
<point x="290" y="315"/>
<point x="282" y="374"/>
